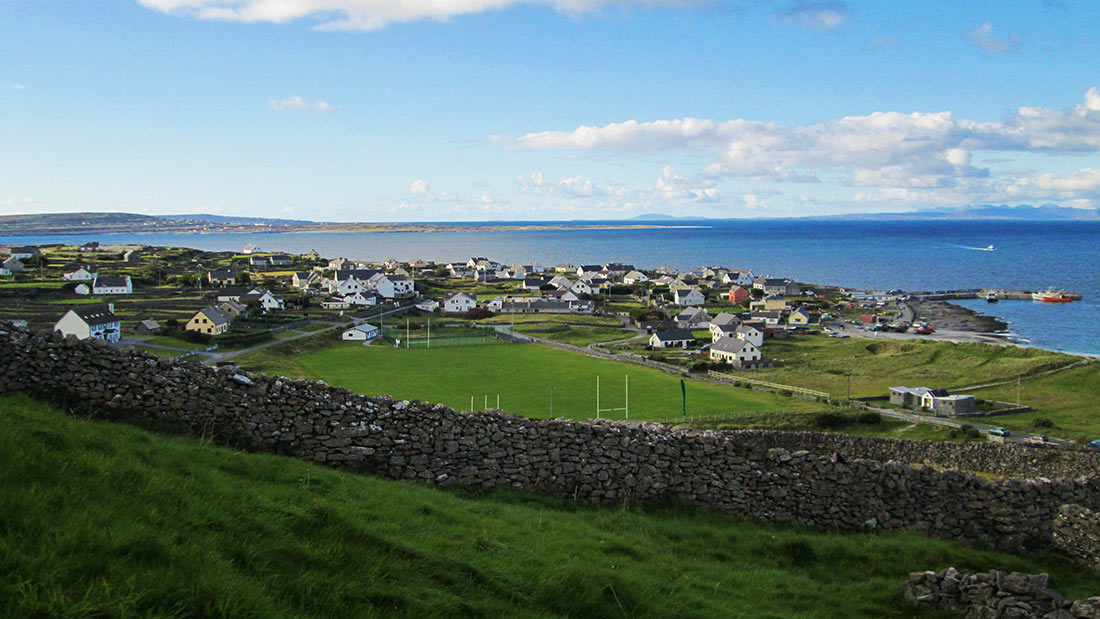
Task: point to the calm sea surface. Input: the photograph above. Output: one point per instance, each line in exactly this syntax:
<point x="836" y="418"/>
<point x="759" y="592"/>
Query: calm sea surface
<point x="911" y="255"/>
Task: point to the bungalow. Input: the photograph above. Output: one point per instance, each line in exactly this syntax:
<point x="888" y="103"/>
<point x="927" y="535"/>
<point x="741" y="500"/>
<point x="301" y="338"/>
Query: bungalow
<point x="781" y="287"/>
<point x="209" y="320"/>
<point x="734" y="351"/>
<point x="259" y="261"/>
<point x="221" y="277"/>
<point x="281" y="260"/>
<point x="693" y="318"/>
<point x="394" y="286"/>
<point x="675" y="338"/>
<point x="635" y="277"/>
<point x="429" y="305"/>
<point x="336" y="303"/>
<point x="79" y="273"/>
<point x="361" y="333"/>
<point x="738" y="294"/>
<point x="562" y="295"/>
<point x="358" y="298"/>
<point x="688" y="296"/>
<point x="459" y="303"/>
<point x="617" y="269"/>
<point x="251" y="248"/>
<point x="799" y="316"/>
<point x="565" y="267"/>
<point x="911" y="397"/>
<point x="664" y="280"/>
<point x="775" y="303"/>
<point x="750" y="334"/>
<point x="532" y="283"/>
<point x="561" y="282"/>
<point x="112" y="285"/>
<point x="23" y="252"/>
<point x="88" y="321"/>
<point x="769" y="318"/>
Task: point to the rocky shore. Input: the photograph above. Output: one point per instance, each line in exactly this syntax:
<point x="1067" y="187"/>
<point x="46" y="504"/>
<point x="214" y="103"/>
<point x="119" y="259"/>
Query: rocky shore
<point x="946" y="316"/>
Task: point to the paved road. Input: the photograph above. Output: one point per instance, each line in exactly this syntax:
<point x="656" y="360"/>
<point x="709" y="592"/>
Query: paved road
<point x="1015" y="437"/>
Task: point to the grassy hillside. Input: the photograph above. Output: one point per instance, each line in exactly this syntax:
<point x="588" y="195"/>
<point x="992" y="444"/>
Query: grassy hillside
<point x="824" y="363"/>
<point x="101" y="519"/>
<point x="1068" y="399"/>
<point x="527" y="377"/>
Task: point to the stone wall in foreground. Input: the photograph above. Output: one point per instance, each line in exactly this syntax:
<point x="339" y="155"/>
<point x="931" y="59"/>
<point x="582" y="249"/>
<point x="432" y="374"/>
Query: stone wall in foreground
<point x="1077" y="534"/>
<point x="736" y="473"/>
<point x="996" y="594"/>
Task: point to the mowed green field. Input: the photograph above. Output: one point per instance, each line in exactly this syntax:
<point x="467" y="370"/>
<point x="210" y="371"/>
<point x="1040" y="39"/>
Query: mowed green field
<point x="105" y="520"/>
<point x="1069" y="399"/>
<point x="532" y="380"/>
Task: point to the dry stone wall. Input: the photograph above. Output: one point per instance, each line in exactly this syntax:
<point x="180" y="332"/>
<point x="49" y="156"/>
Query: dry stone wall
<point x="736" y="473"/>
<point x="996" y="594"/>
<point x="1077" y="534"/>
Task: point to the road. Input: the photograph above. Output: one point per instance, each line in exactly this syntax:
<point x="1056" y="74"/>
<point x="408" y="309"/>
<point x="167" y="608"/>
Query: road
<point x="1015" y="437"/>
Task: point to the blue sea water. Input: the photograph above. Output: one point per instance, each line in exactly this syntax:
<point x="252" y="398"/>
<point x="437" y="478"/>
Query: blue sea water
<point x="910" y="255"/>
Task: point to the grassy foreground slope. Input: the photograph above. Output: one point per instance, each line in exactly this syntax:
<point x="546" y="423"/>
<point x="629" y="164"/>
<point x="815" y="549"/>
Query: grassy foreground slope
<point x="100" y="519"/>
<point x="528" y="377"/>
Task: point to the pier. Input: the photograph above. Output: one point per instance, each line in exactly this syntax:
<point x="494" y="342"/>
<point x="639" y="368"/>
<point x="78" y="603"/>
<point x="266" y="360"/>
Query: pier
<point x="1007" y="295"/>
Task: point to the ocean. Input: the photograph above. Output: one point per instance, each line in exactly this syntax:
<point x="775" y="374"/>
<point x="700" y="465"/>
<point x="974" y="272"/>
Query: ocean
<point x="909" y="255"/>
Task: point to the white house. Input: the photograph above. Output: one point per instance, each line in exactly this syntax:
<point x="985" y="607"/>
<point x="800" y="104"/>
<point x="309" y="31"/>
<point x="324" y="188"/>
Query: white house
<point x="581" y="287"/>
<point x="23" y="253"/>
<point x="394" y="286"/>
<point x="459" y="303"/>
<point x="675" y="338"/>
<point x="738" y="277"/>
<point x="750" y="334"/>
<point x="266" y="300"/>
<point x="688" y="296"/>
<point x="82" y="289"/>
<point x="361" y="333"/>
<point x="634" y="277"/>
<point x="358" y="298"/>
<point x="81" y="273"/>
<point x="561" y="282"/>
<point x="733" y="350"/>
<point x="719" y="331"/>
<point x="112" y="285"/>
<point x="85" y="321"/>
<point x="693" y="318"/>
<point x="349" y="285"/>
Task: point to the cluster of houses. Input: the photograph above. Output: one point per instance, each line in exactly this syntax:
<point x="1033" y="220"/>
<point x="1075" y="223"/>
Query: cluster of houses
<point x="12" y="259"/>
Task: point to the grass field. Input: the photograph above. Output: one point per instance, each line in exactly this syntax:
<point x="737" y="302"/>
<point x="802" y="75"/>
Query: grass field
<point x="572" y="334"/>
<point x="527" y="377"/>
<point x="1069" y="399"/>
<point x="104" y="520"/>
<point x="823" y="363"/>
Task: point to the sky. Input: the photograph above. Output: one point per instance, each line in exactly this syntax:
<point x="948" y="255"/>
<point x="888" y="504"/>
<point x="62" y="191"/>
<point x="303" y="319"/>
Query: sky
<point x="468" y="110"/>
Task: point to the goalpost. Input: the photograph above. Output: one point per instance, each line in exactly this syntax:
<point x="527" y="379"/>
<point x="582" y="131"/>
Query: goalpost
<point x="626" y="398"/>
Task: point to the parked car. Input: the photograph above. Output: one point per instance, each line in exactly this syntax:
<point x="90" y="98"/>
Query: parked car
<point x="1094" y="445"/>
<point x="999" y="432"/>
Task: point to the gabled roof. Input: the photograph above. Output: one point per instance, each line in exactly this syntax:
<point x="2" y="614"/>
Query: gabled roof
<point x="460" y="294"/>
<point x="744" y="328"/>
<point x="726" y="318"/>
<point x="674" y="335"/>
<point x="150" y="324"/>
<point x="729" y="344"/>
<point x="683" y="292"/>
<point x="215" y="315"/>
<point x="98" y="314"/>
<point x="111" y="282"/>
<point x="221" y="274"/>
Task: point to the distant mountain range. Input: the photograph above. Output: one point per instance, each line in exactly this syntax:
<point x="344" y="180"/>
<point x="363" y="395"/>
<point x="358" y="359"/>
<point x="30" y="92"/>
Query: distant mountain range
<point x="1025" y="212"/>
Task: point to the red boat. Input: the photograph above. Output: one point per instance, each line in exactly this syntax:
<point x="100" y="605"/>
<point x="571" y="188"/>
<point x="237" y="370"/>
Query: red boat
<point x="923" y="329"/>
<point x="1052" y="296"/>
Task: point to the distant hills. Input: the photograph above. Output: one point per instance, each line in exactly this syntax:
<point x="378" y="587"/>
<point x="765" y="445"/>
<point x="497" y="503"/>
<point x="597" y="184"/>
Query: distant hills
<point x="128" y="223"/>
<point x="1024" y="212"/>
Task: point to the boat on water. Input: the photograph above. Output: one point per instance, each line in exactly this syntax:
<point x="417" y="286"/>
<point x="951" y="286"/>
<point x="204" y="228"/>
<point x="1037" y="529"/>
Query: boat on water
<point x="992" y="296"/>
<point x="1051" y="296"/>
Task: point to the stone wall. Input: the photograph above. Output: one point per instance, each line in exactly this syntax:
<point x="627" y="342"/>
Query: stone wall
<point x="1077" y="534"/>
<point x="741" y="473"/>
<point x="996" y="594"/>
<point x="1011" y="460"/>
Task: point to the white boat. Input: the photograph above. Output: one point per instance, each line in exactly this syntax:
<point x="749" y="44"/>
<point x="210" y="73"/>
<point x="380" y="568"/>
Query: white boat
<point x="992" y="296"/>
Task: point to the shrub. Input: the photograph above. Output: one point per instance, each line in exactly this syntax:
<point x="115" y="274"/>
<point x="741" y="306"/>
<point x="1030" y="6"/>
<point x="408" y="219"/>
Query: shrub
<point x="869" y="418"/>
<point x="1042" y="422"/>
<point x="477" y="313"/>
<point x="830" y="421"/>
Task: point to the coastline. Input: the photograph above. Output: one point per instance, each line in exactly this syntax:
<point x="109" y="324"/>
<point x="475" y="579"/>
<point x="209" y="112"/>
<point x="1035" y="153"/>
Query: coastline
<point x="947" y="316"/>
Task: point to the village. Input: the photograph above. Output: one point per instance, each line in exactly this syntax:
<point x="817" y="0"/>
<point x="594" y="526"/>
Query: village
<point x="715" y="323"/>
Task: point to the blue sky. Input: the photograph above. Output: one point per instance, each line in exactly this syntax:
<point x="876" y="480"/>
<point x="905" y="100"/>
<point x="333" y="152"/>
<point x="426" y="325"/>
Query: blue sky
<point x="401" y="110"/>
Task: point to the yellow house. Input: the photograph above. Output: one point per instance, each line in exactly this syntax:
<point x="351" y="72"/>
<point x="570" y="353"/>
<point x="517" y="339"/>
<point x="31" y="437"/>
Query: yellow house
<point x="210" y="320"/>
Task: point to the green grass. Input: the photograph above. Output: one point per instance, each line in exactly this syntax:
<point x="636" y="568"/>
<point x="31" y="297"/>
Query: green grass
<point x="1069" y="399"/>
<point x="822" y="363"/>
<point x="800" y="421"/>
<point x="574" y="335"/>
<point x="525" y="375"/>
<point x="174" y="342"/>
<point x="100" y="519"/>
<point x="573" y="319"/>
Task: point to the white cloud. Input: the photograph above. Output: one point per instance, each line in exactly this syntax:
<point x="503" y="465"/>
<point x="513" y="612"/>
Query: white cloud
<point x="370" y="14"/>
<point x="816" y="14"/>
<point x="17" y="87"/>
<point x="983" y="37"/>
<point x="298" y="104"/>
<point x="916" y="150"/>
<point x="419" y="186"/>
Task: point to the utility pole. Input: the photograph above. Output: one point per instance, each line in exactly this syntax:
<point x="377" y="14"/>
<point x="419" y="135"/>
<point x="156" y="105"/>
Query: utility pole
<point x="1017" y="391"/>
<point x="849" y="391"/>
